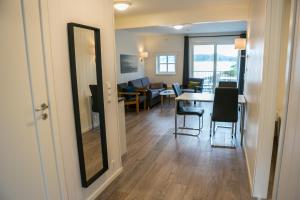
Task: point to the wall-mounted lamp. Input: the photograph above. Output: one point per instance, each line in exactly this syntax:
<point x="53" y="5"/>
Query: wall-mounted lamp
<point x="240" y="43"/>
<point x="143" y="55"/>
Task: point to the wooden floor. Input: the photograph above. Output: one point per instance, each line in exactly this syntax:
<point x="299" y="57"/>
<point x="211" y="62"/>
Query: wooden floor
<point x="92" y="152"/>
<point x="158" y="166"/>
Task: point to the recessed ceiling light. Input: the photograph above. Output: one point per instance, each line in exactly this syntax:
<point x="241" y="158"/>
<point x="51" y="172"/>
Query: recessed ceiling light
<point x="178" y="27"/>
<point x="121" y="5"/>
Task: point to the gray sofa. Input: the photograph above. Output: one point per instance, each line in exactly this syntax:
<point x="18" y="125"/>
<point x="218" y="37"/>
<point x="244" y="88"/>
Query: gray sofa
<point x="152" y="89"/>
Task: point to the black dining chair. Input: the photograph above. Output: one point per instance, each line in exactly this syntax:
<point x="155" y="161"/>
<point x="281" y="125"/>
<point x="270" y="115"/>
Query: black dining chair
<point x="94" y="101"/>
<point x="225" y="109"/>
<point x="181" y="109"/>
<point x="228" y="84"/>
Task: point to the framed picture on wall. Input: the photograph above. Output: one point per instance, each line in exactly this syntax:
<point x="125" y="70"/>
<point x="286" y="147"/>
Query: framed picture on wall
<point x="129" y="63"/>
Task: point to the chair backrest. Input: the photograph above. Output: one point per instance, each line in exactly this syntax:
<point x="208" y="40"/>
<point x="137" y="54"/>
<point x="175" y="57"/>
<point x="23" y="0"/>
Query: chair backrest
<point x="225" y="107"/>
<point x="95" y="99"/>
<point x="122" y="87"/>
<point x="228" y="84"/>
<point x="137" y="83"/>
<point x="177" y="89"/>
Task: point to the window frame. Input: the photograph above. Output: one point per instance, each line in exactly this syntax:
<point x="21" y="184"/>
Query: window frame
<point x="157" y="61"/>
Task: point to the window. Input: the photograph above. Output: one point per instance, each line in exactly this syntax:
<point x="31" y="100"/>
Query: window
<point x="166" y="64"/>
<point x="214" y="62"/>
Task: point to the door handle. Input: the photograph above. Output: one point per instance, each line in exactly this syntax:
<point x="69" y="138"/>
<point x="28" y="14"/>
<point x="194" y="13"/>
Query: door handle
<point x="43" y="107"/>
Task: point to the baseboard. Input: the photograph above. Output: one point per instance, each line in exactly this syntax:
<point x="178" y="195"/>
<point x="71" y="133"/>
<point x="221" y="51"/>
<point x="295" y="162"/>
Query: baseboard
<point x="105" y="185"/>
<point x="248" y="169"/>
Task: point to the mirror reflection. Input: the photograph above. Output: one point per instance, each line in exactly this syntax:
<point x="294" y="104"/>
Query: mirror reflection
<point x="85" y="54"/>
<point x="87" y="96"/>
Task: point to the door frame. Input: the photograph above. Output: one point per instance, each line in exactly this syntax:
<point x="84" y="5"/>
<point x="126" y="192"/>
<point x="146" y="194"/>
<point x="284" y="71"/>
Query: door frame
<point x="53" y="114"/>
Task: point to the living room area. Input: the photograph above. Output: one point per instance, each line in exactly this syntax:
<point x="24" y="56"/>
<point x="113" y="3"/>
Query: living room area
<point x="149" y="62"/>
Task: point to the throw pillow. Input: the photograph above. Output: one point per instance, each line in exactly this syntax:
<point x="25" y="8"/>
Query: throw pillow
<point x="193" y="84"/>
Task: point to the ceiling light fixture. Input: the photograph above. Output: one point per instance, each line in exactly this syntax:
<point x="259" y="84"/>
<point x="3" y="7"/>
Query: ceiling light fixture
<point x="178" y="27"/>
<point x="121" y="5"/>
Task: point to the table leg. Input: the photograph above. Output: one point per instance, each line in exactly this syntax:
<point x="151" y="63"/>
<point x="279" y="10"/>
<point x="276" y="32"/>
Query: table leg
<point x="161" y="102"/>
<point x="242" y="123"/>
<point x="175" y="119"/>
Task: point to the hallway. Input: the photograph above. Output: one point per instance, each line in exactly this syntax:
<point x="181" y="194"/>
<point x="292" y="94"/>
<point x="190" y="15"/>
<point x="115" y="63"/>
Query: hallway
<point x="159" y="167"/>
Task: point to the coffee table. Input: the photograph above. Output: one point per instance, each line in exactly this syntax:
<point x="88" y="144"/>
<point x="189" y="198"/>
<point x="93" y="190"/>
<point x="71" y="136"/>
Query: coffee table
<point x="165" y="93"/>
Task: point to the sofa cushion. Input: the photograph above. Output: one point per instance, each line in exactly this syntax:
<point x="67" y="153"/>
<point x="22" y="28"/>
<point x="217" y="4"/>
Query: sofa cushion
<point x="145" y="82"/>
<point x="157" y="85"/>
<point x="154" y="93"/>
<point x="136" y="83"/>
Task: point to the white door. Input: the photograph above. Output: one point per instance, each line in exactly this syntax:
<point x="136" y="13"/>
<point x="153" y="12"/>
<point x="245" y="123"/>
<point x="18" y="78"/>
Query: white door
<point x="289" y="170"/>
<point x="28" y="168"/>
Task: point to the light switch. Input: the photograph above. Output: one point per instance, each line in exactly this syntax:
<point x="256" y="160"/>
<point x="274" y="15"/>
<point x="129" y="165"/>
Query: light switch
<point x="108" y="85"/>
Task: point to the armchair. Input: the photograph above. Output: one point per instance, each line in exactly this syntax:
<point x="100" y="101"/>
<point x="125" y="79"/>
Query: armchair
<point x="132" y="96"/>
<point x="194" y="85"/>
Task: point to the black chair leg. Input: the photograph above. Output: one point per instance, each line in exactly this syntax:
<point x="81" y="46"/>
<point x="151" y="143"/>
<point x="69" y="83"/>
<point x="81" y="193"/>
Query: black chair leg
<point x="183" y="120"/>
<point x="214" y="129"/>
<point x="92" y="119"/>
<point x="232" y="130"/>
<point x="235" y="130"/>
<point x="199" y="124"/>
<point x="210" y="128"/>
<point x="175" y="125"/>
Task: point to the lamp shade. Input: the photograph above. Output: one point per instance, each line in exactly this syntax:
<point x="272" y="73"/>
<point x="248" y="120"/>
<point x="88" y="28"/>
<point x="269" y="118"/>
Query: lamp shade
<point x="144" y="54"/>
<point x="240" y="43"/>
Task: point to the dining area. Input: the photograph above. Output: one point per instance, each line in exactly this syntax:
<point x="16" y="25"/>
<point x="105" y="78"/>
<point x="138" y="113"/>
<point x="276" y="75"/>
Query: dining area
<point x="224" y="110"/>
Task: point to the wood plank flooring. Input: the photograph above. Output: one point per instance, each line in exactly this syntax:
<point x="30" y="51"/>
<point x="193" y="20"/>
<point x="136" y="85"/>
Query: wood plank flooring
<point x="160" y="167"/>
<point x="92" y="152"/>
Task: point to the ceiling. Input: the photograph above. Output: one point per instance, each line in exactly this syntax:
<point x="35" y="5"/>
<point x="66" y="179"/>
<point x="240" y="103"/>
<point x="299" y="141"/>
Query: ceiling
<point x="139" y="7"/>
<point x="200" y="28"/>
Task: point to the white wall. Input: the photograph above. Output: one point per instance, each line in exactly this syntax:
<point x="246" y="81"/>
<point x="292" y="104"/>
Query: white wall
<point x="253" y="79"/>
<point x="128" y="43"/>
<point x="264" y="36"/>
<point x="97" y="13"/>
<point x="283" y="59"/>
<point x="155" y="44"/>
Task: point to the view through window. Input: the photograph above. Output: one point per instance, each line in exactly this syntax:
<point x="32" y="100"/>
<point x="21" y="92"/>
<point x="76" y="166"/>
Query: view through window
<point x="214" y="63"/>
<point x="166" y="64"/>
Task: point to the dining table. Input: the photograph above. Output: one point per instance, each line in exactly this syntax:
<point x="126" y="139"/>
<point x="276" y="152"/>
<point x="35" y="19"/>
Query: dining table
<point x="209" y="97"/>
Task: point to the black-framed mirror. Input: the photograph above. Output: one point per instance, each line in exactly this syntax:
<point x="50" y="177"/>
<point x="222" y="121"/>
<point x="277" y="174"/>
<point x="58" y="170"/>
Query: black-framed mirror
<point x="86" y="77"/>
